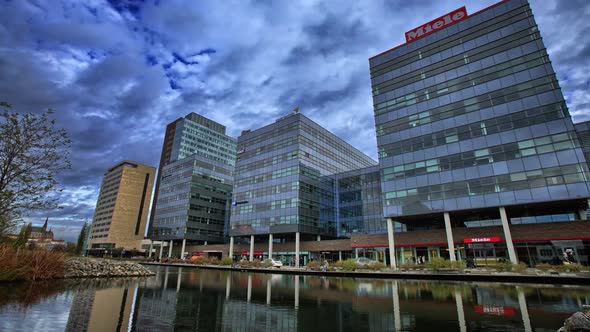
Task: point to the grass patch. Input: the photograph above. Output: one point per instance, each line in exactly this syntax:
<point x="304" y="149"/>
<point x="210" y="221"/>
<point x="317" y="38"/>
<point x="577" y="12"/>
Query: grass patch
<point x="22" y="264"/>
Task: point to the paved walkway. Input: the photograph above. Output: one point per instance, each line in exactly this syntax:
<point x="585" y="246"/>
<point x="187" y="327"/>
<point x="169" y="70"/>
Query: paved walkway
<point x="581" y="278"/>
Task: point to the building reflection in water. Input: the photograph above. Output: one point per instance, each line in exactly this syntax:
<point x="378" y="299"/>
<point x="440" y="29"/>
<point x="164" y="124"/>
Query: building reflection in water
<point x="208" y="300"/>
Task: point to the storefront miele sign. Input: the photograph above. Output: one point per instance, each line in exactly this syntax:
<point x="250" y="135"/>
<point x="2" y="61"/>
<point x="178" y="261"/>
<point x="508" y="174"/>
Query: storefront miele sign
<point x="437" y="24"/>
<point x="490" y="239"/>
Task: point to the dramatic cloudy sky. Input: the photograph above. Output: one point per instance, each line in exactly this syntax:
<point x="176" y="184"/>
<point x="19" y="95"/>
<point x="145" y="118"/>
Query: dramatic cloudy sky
<point x="118" y="71"/>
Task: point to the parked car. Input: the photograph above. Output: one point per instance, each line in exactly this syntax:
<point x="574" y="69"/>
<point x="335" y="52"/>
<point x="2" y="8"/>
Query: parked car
<point x="276" y="263"/>
<point x="362" y="261"/>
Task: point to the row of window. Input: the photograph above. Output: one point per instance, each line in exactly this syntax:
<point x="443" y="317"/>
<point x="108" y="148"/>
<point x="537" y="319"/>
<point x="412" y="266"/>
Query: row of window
<point x="479" y="77"/>
<point x="495" y="125"/>
<point x="487" y="155"/>
<point x="494" y="184"/>
<point x="501" y="96"/>
<point x="455" y="63"/>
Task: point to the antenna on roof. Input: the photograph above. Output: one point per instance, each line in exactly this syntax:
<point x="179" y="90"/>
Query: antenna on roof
<point x="296" y="110"/>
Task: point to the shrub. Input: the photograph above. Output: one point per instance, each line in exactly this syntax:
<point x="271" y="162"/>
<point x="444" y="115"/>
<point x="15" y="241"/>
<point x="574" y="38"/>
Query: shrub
<point x="213" y="260"/>
<point x="407" y="266"/>
<point x="376" y="266"/>
<point x="314" y="265"/>
<point x="226" y="261"/>
<point x="200" y="260"/>
<point x="504" y="266"/>
<point x="267" y="263"/>
<point x="245" y="263"/>
<point x="30" y="264"/>
<point x="520" y="267"/>
<point x="349" y="265"/>
<point x="438" y="263"/>
<point x="339" y="264"/>
<point x="545" y="267"/>
<point x="458" y="264"/>
<point x="570" y="267"/>
<point x="256" y="263"/>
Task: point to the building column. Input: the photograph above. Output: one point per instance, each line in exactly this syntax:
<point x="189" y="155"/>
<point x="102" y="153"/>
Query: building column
<point x="251" y="248"/>
<point x="402" y="255"/>
<point x="151" y="248"/>
<point x="391" y="243"/>
<point x="161" y="249"/>
<point x="269" y="246"/>
<point x="450" y="242"/>
<point x="231" y="247"/>
<point x="339" y="255"/>
<point x="508" y="236"/>
<point x="582" y="214"/>
<point x="297" y="249"/>
<point x="319" y="238"/>
<point x="183" y="248"/>
<point x="170" y="249"/>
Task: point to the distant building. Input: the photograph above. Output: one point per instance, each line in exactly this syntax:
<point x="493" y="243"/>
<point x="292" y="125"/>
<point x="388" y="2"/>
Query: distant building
<point x="122" y="208"/>
<point x="194" y="186"/>
<point x="42" y="238"/>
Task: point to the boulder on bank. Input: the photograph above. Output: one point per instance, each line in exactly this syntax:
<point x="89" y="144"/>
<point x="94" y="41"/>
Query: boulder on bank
<point x="81" y="267"/>
<point x="578" y="322"/>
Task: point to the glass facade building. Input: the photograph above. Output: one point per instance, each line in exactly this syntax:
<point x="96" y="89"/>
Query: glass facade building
<point x="194" y="182"/>
<point x="472" y="128"/>
<point x="283" y="183"/>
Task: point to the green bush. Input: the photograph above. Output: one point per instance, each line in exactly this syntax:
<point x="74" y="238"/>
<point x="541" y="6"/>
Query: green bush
<point x="266" y="264"/>
<point x="458" y="264"/>
<point x="256" y="263"/>
<point x="214" y="260"/>
<point x="349" y="265"/>
<point x="504" y="266"/>
<point x="376" y="266"/>
<point x="200" y="260"/>
<point x="226" y="261"/>
<point x="438" y="263"/>
<point x="339" y="264"/>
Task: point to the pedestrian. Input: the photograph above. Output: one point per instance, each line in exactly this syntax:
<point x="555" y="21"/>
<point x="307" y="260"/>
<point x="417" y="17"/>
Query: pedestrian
<point x="565" y="258"/>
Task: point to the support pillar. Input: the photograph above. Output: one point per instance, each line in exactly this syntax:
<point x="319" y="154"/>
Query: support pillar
<point x="151" y="248"/>
<point x="319" y="238"/>
<point x="391" y="243"/>
<point x="251" y="248"/>
<point x="183" y="248"/>
<point x="339" y="255"/>
<point x="170" y="249"/>
<point x="508" y="236"/>
<point x="231" y="247"/>
<point x="269" y="246"/>
<point x="450" y="242"/>
<point x="297" y="249"/>
<point x="582" y="214"/>
<point x="356" y="252"/>
<point x="402" y="255"/>
<point x="161" y="250"/>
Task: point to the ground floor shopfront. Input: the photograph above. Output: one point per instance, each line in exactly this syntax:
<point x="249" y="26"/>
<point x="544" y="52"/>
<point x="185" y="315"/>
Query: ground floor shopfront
<point x="533" y="244"/>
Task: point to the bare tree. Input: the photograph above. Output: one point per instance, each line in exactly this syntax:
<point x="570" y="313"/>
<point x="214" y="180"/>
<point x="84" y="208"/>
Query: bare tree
<point x="32" y="152"/>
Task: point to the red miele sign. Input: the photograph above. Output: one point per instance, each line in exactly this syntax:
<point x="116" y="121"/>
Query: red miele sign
<point x="437" y="24"/>
<point x="494" y="310"/>
<point x="482" y="239"/>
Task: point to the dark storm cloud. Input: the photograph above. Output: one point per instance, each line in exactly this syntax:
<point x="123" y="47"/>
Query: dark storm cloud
<point x="118" y="71"/>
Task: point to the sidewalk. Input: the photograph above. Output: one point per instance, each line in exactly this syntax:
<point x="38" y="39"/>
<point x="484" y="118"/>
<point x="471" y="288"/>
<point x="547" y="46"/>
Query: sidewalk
<point x="580" y="278"/>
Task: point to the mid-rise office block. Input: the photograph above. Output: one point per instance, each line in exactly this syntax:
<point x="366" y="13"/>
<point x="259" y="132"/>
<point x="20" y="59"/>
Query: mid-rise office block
<point x="282" y="191"/>
<point x="122" y="208"/>
<point x="194" y="183"/>
<point x="473" y="132"/>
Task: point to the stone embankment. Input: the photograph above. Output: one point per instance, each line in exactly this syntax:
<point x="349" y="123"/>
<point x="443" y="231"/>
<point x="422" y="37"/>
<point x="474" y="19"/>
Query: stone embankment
<point x="90" y="268"/>
<point x="578" y="322"/>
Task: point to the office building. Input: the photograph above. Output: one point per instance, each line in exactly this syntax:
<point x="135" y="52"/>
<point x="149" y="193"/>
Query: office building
<point x="194" y="184"/>
<point x="477" y="150"/>
<point x="122" y="208"/>
<point x="282" y="188"/>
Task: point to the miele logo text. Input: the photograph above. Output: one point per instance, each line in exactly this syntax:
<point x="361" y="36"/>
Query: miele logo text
<point x="437" y="24"/>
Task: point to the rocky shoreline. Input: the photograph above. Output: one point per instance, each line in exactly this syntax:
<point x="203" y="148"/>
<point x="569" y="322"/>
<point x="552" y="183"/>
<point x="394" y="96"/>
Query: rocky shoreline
<point x="82" y="267"/>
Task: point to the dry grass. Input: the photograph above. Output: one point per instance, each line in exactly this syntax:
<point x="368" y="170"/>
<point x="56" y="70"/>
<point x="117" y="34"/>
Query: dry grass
<point x="30" y="265"/>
